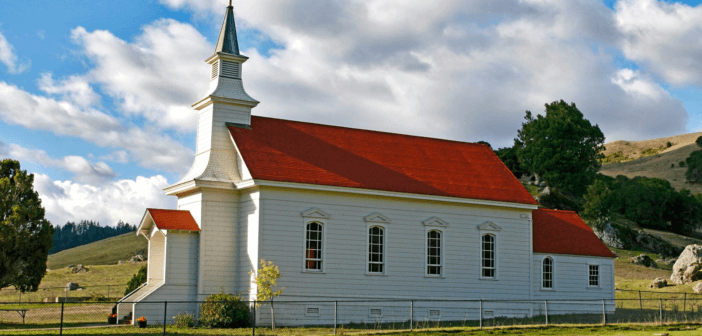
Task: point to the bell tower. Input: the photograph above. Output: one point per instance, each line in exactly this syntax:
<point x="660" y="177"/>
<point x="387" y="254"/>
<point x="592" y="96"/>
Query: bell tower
<point x="225" y="102"/>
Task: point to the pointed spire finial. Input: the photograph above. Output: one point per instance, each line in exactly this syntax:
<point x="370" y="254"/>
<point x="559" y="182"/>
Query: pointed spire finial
<point x="228" y="42"/>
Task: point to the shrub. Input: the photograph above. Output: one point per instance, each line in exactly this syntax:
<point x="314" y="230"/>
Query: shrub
<point x="224" y="311"/>
<point x="699" y="141"/>
<point x="681" y="163"/>
<point x="136" y="280"/>
<point x="184" y="320"/>
<point x="669" y="144"/>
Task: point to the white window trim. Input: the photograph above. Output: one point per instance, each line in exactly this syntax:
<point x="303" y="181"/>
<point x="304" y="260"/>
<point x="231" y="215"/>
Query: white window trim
<point x="480" y="254"/>
<point x="599" y="275"/>
<point x="370" y="225"/>
<point x="441" y="254"/>
<point x="553" y="273"/>
<point x="315" y="215"/>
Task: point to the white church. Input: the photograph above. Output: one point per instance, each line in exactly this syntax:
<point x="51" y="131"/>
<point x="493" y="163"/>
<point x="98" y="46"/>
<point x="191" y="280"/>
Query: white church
<point x="353" y="214"/>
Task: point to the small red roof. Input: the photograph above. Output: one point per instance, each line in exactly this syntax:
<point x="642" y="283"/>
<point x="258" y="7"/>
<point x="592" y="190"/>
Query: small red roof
<point x="173" y="219"/>
<point x="291" y="151"/>
<point x="564" y="232"/>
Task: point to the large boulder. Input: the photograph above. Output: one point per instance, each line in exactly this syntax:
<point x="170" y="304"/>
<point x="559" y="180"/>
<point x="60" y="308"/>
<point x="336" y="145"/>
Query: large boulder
<point x="697" y="288"/>
<point x="79" y="269"/>
<point x="658" y="283"/>
<point x="643" y="260"/>
<point x="687" y="268"/>
<point x="71" y="286"/>
<point x="137" y="258"/>
<point x="617" y="236"/>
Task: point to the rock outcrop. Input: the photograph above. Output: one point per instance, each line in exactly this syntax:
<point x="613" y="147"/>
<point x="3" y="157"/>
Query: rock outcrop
<point x="643" y="260"/>
<point x="697" y="288"/>
<point x="71" y="286"/>
<point x="687" y="268"/>
<point x="658" y="283"/>
<point x="79" y="269"/>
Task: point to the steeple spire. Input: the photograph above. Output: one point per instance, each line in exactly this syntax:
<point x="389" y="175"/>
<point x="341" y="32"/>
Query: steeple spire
<point x="228" y="42"/>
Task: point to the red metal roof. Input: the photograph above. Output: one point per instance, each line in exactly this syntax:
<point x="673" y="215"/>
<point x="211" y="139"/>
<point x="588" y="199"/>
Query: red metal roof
<point x="291" y="151"/>
<point x="173" y="219"/>
<point x="564" y="232"/>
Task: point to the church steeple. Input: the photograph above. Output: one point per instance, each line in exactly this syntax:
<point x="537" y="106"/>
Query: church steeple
<point x="225" y="103"/>
<point x="227" y="62"/>
<point x="228" y="42"/>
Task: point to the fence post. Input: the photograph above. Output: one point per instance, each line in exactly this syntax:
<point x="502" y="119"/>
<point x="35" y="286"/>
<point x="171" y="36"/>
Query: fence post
<point x="546" y="309"/>
<point x="481" y="314"/>
<point x="336" y="303"/>
<point x="604" y="314"/>
<point x="61" y="328"/>
<point x="20" y="296"/>
<point x="165" y="308"/>
<point x="685" y="304"/>
<point x="411" y="315"/>
<point x="640" y="303"/>
<point x="253" y="327"/>
<point x="660" y="310"/>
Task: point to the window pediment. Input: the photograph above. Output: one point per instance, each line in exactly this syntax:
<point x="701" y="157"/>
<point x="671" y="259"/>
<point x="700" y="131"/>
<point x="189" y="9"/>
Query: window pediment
<point x="377" y="218"/>
<point x="315" y="213"/>
<point x="435" y="221"/>
<point x="489" y="226"/>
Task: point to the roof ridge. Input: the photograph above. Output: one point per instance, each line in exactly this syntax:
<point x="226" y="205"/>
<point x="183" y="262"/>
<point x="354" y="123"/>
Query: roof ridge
<point x="374" y="131"/>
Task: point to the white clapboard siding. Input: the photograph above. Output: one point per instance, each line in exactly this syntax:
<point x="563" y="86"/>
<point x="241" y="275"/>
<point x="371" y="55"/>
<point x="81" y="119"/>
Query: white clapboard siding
<point x="182" y="258"/>
<point x="248" y="236"/>
<point x="571" y="282"/>
<point x="218" y="237"/>
<point x="282" y="241"/>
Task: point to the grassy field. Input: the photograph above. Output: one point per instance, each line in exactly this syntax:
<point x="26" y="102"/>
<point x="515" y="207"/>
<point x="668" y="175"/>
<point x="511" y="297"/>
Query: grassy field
<point x="103" y="252"/>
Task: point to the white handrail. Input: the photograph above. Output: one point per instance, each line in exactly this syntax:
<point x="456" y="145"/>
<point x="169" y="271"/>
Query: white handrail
<point x="132" y="293"/>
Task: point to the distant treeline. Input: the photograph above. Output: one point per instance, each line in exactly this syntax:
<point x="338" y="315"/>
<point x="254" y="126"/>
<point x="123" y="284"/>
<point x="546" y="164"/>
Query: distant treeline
<point x="85" y="232"/>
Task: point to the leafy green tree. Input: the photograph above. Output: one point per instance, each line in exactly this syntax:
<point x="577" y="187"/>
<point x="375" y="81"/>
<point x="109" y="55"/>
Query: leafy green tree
<point x="699" y="141"/>
<point x="694" y="167"/>
<point x="25" y="235"/>
<point x="137" y="280"/>
<point x="267" y="278"/>
<point x="597" y="207"/>
<point x="508" y="155"/>
<point x="646" y="201"/>
<point x="685" y="214"/>
<point x="562" y="147"/>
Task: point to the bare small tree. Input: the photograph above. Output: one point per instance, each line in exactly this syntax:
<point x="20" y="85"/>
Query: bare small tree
<point x="267" y="278"/>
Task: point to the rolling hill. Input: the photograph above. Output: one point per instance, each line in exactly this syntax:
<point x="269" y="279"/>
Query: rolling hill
<point x="653" y="158"/>
<point x="103" y="252"/>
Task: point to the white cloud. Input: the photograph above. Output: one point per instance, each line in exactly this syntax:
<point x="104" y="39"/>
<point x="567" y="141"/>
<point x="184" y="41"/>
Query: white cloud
<point x="84" y="171"/>
<point x="158" y="76"/>
<point x="74" y="89"/>
<point x="117" y="156"/>
<point x="9" y="58"/>
<point x="664" y="36"/>
<point x="151" y="148"/>
<point x="454" y="69"/>
<point x="119" y="200"/>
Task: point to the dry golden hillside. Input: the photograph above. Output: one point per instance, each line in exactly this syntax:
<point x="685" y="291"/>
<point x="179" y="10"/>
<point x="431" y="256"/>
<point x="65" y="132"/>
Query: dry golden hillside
<point x="653" y="158"/>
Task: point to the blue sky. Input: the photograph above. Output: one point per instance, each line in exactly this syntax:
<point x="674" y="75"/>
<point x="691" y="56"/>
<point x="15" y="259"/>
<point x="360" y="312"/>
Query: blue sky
<point x="95" y="95"/>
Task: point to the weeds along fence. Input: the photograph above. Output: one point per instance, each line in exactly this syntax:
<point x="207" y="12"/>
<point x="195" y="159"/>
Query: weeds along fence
<point x="59" y="294"/>
<point x="335" y="317"/>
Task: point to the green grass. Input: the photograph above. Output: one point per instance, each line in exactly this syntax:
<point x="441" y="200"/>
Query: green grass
<point x="103" y="252"/>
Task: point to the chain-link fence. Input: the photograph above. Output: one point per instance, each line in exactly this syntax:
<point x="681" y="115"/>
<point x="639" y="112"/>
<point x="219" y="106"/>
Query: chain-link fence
<point x="67" y="293"/>
<point x="333" y="317"/>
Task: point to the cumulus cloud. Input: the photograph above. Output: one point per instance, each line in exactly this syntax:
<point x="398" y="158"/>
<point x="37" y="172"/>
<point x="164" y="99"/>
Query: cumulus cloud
<point x="158" y="76"/>
<point x="460" y="70"/>
<point x="74" y="89"/>
<point x="151" y="148"/>
<point x="84" y="171"/>
<point x="119" y="200"/>
<point x="10" y="59"/>
<point x="664" y="36"/>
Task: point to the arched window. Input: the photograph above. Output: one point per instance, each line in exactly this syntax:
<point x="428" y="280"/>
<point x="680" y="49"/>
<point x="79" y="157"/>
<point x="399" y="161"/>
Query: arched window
<point x="313" y="246"/>
<point x="547" y="273"/>
<point x="488" y="256"/>
<point x="434" y="252"/>
<point x="376" y="249"/>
